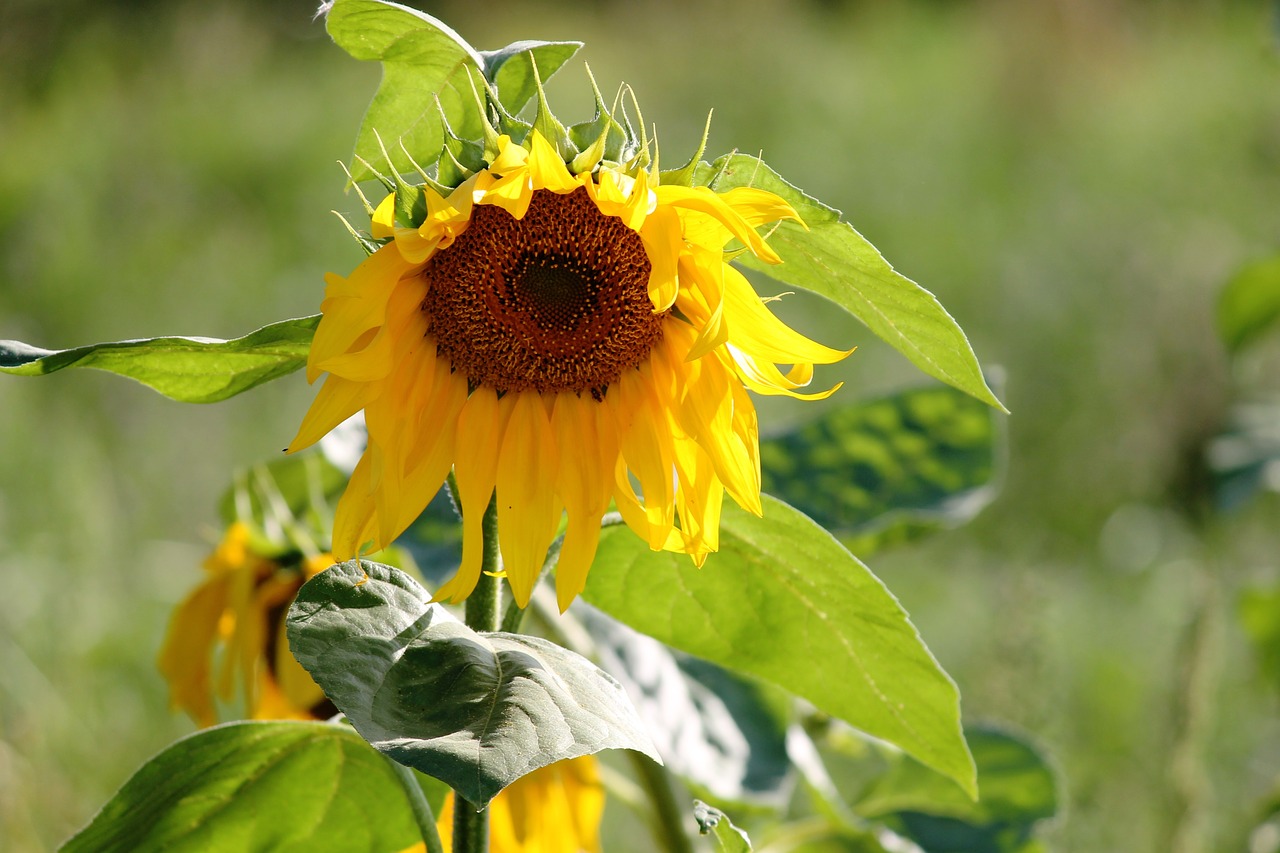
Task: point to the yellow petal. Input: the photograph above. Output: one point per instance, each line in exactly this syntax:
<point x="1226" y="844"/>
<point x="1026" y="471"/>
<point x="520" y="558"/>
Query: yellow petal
<point x="754" y="329"/>
<point x="337" y="400"/>
<point x="480" y="428"/>
<point x="528" y="508"/>
<point x="384" y="218"/>
<point x="703" y="200"/>
<point x="585" y="486"/>
<point x="662" y="243"/>
<point x="186" y="656"/>
<point x="645" y="443"/>
<point x="546" y="168"/>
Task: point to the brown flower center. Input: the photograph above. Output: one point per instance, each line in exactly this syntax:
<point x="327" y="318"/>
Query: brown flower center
<point x="556" y="301"/>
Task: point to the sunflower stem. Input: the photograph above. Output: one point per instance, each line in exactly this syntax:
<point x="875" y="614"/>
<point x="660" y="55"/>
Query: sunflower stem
<point x="668" y="817"/>
<point x="471" y="825"/>
<point x="422" y="814"/>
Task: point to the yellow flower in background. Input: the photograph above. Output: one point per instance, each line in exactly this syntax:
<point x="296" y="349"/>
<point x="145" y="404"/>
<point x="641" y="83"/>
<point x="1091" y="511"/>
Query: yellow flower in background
<point x="554" y="336"/>
<point x="239" y="609"/>
<point x="556" y="809"/>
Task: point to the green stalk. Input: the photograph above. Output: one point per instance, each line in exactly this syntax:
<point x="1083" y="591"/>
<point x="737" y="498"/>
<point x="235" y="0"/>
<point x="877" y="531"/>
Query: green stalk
<point x="418" y="804"/>
<point x="668" y="817"/>
<point x="471" y="826"/>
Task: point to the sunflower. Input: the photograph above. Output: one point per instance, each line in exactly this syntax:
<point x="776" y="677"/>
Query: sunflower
<point x="240" y="607"/>
<point x="560" y="337"/>
<point x="554" y="809"/>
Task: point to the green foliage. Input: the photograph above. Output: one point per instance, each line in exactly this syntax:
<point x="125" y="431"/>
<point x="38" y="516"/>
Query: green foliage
<point x="477" y="711"/>
<point x="189" y="370"/>
<point x="713" y="822"/>
<point x="271" y="495"/>
<point x="718" y="731"/>
<point x="1249" y="304"/>
<point x="891" y="468"/>
<point x="281" y="786"/>
<point x="426" y="70"/>
<point x="784" y="601"/>
<point x="1244" y="459"/>
<point x="1017" y="790"/>
<point x="827" y="256"/>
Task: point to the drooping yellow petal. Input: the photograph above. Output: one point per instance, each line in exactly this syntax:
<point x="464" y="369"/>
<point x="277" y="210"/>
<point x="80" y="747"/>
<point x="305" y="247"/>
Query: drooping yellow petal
<point x="663" y="242"/>
<point x="585" y="487"/>
<point x="763" y="377"/>
<point x="337" y="400"/>
<point x="480" y="429"/>
<point x="355" y="305"/>
<point x="646" y="446"/>
<point x="186" y="656"/>
<point x="528" y="507"/>
<point x="753" y="328"/>
<point x="756" y="207"/>
<point x="705" y="201"/>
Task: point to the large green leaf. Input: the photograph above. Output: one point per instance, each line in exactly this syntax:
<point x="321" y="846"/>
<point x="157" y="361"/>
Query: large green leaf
<point x="425" y="62"/>
<point x="281" y="786"/>
<point x="888" y="469"/>
<point x="784" y="601"/>
<point x="477" y="711"/>
<point x="1019" y="790"/>
<point x="190" y="370"/>
<point x="1249" y="304"/>
<point x="835" y="261"/>
<point x="718" y="731"/>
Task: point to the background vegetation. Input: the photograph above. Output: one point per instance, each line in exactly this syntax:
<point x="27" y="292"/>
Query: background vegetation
<point x="1075" y="179"/>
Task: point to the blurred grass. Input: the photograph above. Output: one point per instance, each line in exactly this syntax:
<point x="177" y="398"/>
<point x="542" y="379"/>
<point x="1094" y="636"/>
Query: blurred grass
<point x="1074" y="179"/>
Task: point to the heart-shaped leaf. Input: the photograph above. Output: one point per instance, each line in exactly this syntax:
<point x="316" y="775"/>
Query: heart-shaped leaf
<point x="284" y="786"/>
<point x="477" y="711"/>
<point x="189" y="370"/>
<point x="717" y="730"/>
<point x="784" y="601"/>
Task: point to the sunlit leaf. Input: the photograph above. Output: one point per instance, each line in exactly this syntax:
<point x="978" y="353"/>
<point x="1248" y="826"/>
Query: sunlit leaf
<point x="833" y="260"/>
<point x="713" y="822"/>
<point x="1249" y="304"/>
<point x="477" y="711"/>
<point x="190" y="370"/>
<point x="718" y="731"/>
<point x="424" y="62"/>
<point x="281" y="786"/>
<point x="285" y="488"/>
<point x="1018" y="790"/>
<point x="888" y="469"/>
<point x="784" y="601"/>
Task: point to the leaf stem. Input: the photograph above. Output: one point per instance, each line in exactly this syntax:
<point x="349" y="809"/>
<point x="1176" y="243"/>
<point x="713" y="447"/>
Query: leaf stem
<point x="418" y="804"/>
<point x="471" y="826"/>
<point x="668" y="817"/>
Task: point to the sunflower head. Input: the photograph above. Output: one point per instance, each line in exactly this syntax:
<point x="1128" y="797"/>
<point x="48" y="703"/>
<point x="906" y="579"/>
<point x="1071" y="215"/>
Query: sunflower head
<point x="231" y="628"/>
<point x="550" y="318"/>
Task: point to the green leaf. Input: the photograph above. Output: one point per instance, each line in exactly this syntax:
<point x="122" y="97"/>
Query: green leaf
<point x="190" y="370"/>
<point x="712" y="821"/>
<point x="1249" y="304"/>
<point x="888" y="469"/>
<point x="423" y="61"/>
<point x="477" y="711"/>
<point x="510" y="69"/>
<point x="835" y="261"/>
<point x="273" y="494"/>
<point x="784" y="601"/>
<point x="716" y="730"/>
<point x="1018" y="787"/>
<point x="281" y="786"/>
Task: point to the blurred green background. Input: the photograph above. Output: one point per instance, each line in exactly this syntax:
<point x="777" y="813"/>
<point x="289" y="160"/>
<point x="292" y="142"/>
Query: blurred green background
<point x="1074" y="179"/>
